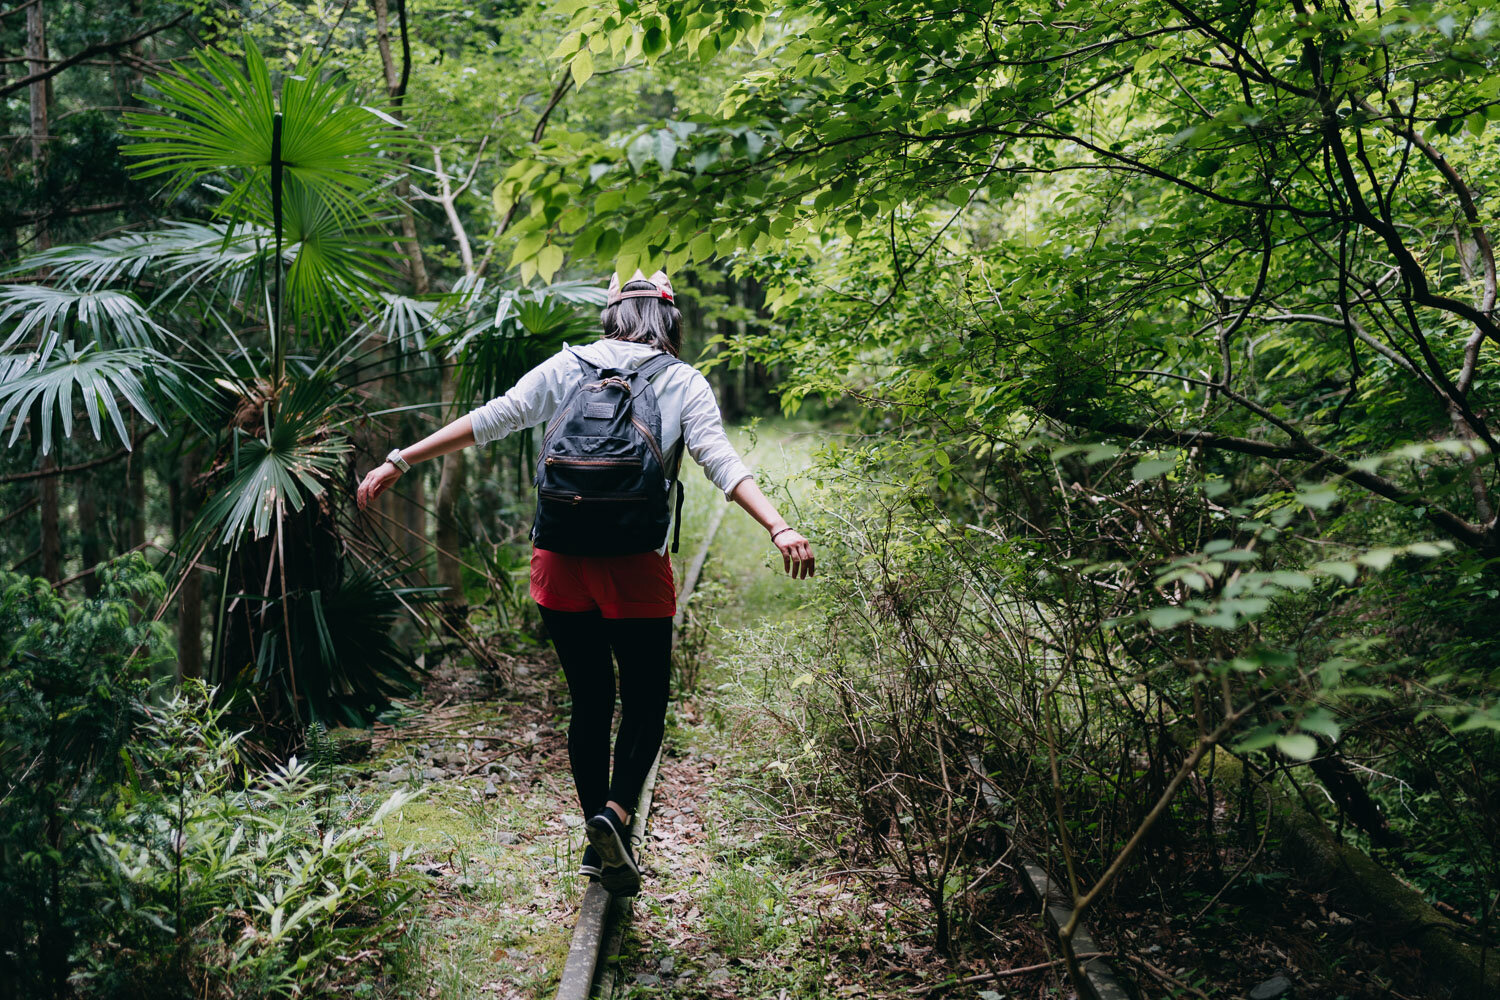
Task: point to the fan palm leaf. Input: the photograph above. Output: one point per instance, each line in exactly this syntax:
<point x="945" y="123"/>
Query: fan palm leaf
<point x="348" y="665"/>
<point x="281" y="470"/>
<point x="497" y="339"/>
<point x="44" y="314"/>
<point x="215" y="118"/>
<point x="136" y="374"/>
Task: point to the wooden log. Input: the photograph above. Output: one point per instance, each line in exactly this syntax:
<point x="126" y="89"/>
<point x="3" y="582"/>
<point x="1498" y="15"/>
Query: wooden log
<point x="1319" y="855"/>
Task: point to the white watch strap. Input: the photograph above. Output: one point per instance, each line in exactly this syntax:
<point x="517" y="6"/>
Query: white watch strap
<point x="395" y="459"/>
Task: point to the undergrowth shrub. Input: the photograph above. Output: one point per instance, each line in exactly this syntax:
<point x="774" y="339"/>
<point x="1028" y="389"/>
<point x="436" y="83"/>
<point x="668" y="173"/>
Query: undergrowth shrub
<point x="1123" y="688"/>
<point x="140" y="856"/>
<point x="71" y="676"/>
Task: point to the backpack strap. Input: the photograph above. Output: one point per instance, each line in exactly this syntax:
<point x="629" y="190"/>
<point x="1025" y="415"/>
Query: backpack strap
<point x="677" y="517"/>
<point x="587" y="364"/>
<point x="657" y="364"/>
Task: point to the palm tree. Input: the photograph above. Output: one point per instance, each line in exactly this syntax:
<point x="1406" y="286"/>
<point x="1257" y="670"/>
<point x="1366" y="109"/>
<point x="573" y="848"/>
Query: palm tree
<point x="184" y="324"/>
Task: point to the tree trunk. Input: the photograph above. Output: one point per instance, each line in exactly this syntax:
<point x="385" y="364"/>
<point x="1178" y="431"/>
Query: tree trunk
<point x="185" y="502"/>
<point x="395" y="87"/>
<point x="88" y="534"/>
<point x="51" y="532"/>
<point x="416" y="525"/>
<point x="135" y="472"/>
<point x="450" y="487"/>
<point x="36" y="55"/>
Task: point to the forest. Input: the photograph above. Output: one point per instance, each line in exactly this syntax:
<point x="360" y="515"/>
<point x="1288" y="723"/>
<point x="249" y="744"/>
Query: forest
<point x="1129" y="366"/>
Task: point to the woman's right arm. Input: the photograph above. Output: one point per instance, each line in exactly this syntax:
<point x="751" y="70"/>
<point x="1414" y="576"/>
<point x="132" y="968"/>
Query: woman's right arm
<point x="532" y="400"/>
<point x="451" y="437"/>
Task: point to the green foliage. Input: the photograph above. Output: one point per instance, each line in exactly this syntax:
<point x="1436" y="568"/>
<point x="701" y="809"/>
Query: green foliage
<point x="250" y="890"/>
<point x="139" y="856"/>
<point x="70" y="680"/>
<point x="345" y="662"/>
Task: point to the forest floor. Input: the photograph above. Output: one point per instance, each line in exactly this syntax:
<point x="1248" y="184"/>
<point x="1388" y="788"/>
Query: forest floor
<point x="733" y="907"/>
<point x="736" y="904"/>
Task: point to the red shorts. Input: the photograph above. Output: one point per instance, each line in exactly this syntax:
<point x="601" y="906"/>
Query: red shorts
<point x="633" y="586"/>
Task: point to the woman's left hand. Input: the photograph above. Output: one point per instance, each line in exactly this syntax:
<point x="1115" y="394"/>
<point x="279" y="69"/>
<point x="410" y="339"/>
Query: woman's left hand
<point x="796" y="553"/>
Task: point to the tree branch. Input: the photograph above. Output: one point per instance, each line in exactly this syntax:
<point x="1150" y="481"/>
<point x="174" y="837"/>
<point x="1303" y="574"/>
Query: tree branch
<point x="88" y="51"/>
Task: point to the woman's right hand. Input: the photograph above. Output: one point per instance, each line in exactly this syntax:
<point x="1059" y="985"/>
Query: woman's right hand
<point x="796" y="553"/>
<point x="376" y="482"/>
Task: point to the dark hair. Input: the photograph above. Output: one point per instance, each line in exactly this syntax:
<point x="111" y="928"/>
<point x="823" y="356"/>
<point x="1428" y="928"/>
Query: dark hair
<point x="652" y="320"/>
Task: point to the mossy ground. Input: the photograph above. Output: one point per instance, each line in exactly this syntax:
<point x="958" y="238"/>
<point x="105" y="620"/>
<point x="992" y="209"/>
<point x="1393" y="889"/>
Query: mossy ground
<point x="733" y="905"/>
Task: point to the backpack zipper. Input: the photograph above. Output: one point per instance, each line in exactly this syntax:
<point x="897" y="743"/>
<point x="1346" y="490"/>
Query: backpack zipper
<point x="650" y="440"/>
<point x="592" y="462"/>
<point x="575" y="498"/>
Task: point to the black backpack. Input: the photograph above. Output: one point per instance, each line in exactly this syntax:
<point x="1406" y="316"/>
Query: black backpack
<point x="603" y="484"/>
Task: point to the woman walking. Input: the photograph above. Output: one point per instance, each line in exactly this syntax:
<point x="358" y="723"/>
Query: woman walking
<point x="620" y="412"/>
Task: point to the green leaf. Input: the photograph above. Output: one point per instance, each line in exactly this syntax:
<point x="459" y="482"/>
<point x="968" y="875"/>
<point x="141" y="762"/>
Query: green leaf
<point x="1150" y="468"/>
<point x="702" y="247"/>
<point x="1167" y="618"/>
<point x="664" y="148"/>
<point x="1321" y="497"/>
<point x="582" y="67"/>
<point x="1377" y="558"/>
<point x="1298" y="746"/>
<point x="1345" y="571"/>
<point x="549" y="261"/>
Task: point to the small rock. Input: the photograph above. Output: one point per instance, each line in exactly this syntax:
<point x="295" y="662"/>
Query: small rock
<point x="1272" y="989"/>
<point x="646" y="979"/>
<point x="667" y="965"/>
<point x="572" y="822"/>
<point x="718" y="975"/>
<point x="434" y="774"/>
<point x="394" y="775"/>
<point x="507" y="837"/>
<point x="490" y="791"/>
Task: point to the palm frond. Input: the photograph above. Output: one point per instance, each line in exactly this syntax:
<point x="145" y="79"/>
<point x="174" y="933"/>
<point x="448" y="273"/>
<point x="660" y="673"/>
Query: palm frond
<point x="509" y="333"/>
<point x="44" y="314"/>
<point x="283" y="469"/>
<point x="348" y="665"/>
<point x="191" y="253"/>
<point x="136" y="374"/>
<point x="334" y="269"/>
<point x="215" y="119"/>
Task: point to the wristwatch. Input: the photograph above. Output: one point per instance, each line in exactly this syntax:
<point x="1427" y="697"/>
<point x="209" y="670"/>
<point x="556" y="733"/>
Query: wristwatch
<point x="395" y="459"/>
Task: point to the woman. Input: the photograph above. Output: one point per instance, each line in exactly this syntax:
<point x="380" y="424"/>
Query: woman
<point x="596" y="607"/>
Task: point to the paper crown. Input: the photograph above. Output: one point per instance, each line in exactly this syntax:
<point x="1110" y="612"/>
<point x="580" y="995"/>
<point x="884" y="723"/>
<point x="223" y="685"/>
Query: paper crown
<point x="662" y="287"/>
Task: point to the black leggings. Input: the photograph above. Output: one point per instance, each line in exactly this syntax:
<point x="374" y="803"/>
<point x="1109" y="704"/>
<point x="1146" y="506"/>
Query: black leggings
<point x="643" y="648"/>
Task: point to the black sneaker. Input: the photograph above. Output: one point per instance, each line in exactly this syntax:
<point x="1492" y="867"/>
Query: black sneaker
<point x="590" y="865"/>
<point x="617" y="871"/>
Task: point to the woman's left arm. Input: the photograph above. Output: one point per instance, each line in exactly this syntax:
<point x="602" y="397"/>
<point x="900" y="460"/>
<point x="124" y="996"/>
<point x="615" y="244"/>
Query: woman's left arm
<point x="796" y="551"/>
<point x="703" y="433"/>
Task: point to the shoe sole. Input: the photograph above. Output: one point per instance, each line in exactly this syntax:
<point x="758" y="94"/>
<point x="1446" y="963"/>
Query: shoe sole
<point x="618" y="872"/>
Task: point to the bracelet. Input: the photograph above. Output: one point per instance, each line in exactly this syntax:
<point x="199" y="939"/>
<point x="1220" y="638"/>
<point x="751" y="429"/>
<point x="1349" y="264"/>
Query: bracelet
<point x="781" y="532"/>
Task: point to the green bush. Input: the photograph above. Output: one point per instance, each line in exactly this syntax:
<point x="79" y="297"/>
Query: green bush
<point x="71" y="676"/>
<point x="139" y="856"/>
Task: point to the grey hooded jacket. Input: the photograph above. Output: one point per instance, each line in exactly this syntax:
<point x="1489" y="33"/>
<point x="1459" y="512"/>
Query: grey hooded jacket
<point x="689" y="412"/>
